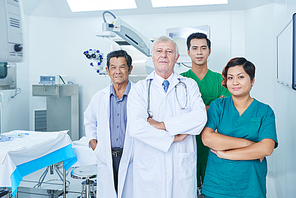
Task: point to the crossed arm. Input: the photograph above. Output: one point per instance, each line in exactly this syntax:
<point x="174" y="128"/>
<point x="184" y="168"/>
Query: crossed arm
<point x="232" y="148"/>
<point x="161" y="133"/>
<point x="161" y="126"/>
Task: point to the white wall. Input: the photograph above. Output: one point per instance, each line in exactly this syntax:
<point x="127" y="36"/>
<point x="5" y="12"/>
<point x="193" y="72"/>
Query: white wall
<point x="285" y="108"/>
<point x="260" y="49"/>
<point x="262" y="25"/>
<point x="45" y="55"/>
<point x="56" y="46"/>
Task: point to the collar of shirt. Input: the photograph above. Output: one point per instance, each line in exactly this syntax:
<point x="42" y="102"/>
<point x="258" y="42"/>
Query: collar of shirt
<point x="127" y="90"/>
<point x="161" y="79"/>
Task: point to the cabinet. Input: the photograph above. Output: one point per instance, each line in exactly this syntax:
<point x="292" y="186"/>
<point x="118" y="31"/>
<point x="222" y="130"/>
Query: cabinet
<point x="62" y="106"/>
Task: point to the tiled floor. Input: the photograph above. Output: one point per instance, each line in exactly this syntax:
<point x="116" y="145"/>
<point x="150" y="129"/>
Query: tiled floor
<point x="74" y="188"/>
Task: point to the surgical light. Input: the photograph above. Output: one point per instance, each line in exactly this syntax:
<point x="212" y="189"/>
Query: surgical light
<point x="95" y="5"/>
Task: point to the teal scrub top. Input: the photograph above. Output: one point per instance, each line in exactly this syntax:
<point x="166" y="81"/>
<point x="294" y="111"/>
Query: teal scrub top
<point x="238" y="178"/>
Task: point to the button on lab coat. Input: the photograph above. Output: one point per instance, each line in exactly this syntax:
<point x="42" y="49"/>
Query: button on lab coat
<point x="96" y="121"/>
<point x="162" y="168"/>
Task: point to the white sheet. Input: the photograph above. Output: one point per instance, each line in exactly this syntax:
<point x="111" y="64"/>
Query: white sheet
<point x="85" y="155"/>
<point x="27" y="148"/>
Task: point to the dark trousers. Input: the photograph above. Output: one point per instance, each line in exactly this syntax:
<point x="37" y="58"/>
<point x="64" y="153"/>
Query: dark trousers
<point x="116" y="156"/>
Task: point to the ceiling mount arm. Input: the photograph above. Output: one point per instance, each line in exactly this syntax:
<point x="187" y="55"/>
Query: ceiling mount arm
<point x="127" y="33"/>
<point x="108" y="12"/>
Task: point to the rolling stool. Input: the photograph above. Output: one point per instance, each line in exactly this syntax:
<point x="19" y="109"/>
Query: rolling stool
<point x="87" y="173"/>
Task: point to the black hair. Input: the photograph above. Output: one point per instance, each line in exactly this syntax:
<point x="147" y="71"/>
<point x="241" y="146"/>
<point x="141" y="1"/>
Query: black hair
<point x="198" y="35"/>
<point x="248" y="66"/>
<point x="119" y="53"/>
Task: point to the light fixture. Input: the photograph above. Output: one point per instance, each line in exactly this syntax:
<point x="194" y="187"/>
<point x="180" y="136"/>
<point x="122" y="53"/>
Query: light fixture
<point x="97" y="5"/>
<point x="172" y="3"/>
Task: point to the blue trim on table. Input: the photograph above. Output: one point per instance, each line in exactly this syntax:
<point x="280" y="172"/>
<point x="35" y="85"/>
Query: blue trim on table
<point x="65" y="154"/>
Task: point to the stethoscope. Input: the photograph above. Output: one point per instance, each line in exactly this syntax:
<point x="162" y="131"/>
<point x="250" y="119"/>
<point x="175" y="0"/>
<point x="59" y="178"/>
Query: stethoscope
<point x="180" y="83"/>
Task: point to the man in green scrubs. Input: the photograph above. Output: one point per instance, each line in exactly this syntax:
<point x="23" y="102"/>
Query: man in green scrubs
<point x="209" y="83"/>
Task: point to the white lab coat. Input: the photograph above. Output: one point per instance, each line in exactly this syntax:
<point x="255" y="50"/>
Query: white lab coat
<point x="162" y="168"/>
<point x="96" y="121"/>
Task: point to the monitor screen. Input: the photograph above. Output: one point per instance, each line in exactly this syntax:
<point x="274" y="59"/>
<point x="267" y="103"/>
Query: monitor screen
<point x="284" y="55"/>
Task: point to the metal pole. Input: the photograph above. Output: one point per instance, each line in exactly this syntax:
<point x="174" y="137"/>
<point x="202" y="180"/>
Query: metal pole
<point x="87" y="188"/>
<point x="64" y="180"/>
<point x="1" y="104"/>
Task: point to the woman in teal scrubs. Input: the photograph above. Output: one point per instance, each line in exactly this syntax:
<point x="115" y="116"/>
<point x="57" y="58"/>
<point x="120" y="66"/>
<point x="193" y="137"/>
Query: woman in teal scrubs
<point x="241" y="132"/>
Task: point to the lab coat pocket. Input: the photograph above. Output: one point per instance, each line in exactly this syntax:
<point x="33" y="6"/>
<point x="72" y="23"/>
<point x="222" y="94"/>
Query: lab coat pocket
<point x="186" y="165"/>
<point x="254" y="127"/>
<point x="148" y="169"/>
<point x="96" y="151"/>
<point x="99" y="154"/>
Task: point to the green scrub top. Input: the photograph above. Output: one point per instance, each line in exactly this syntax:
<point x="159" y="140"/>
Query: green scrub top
<point x="238" y="178"/>
<point x="210" y="88"/>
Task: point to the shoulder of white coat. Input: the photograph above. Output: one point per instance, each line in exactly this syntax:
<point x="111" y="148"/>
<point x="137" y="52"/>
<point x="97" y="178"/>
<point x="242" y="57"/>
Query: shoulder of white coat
<point x="140" y="85"/>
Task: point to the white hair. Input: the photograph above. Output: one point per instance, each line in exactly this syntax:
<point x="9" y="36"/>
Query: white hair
<point x="164" y="39"/>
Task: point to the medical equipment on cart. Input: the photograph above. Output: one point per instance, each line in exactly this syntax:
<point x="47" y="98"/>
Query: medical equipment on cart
<point x="53" y="80"/>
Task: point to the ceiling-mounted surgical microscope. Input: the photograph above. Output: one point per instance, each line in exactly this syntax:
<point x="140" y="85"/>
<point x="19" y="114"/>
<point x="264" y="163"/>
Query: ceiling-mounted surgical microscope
<point x="96" y="58"/>
<point x="123" y="30"/>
